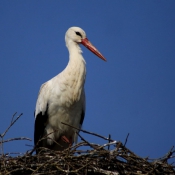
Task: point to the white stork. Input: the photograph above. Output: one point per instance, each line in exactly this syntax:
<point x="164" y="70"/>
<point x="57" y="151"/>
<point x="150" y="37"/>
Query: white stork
<point x="62" y="98"/>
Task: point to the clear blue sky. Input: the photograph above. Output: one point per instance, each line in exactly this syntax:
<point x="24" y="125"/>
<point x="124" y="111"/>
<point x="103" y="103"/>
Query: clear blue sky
<point x="133" y="92"/>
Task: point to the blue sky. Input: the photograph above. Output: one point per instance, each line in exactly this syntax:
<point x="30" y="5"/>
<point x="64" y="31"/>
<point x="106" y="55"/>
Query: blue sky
<point x="133" y="92"/>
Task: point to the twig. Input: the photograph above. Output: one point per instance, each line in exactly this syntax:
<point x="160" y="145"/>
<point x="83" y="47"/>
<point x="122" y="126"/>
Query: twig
<point x="11" y="124"/>
<point x="105" y="138"/>
<point x="108" y="144"/>
<point x="126" y="139"/>
<point x="12" y="139"/>
<point x="85" y="141"/>
<point x="109" y="141"/>
<point x="169" y="154"/>
<point x="13" y="117"/>
<point x="2" y="135"/>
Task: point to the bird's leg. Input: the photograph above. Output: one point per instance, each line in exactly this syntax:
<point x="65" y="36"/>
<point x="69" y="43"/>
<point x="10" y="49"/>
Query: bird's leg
<point x="65" y="139"/>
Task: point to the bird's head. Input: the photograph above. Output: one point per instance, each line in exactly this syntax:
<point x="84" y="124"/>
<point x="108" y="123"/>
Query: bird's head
<point x="78" y="35"/>
<point x="75" y="34"/>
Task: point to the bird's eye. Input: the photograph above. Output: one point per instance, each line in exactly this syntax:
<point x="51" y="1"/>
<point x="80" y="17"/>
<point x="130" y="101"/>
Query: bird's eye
<point x="78" y="33"/>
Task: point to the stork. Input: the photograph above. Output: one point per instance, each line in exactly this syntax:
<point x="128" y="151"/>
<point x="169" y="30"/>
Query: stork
<point x="62" y="98"/>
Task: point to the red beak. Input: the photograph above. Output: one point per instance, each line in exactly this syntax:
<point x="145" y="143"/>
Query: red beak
<point x="88" y="44"/>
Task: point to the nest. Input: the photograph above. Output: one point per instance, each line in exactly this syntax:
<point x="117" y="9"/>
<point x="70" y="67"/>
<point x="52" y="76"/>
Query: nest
<point x="111" y="158"/>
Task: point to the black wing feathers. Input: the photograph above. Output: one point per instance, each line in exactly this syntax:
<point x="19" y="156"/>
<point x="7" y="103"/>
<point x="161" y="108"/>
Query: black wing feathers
<point x="82" y="117"/>
<point x="40" y="124"/>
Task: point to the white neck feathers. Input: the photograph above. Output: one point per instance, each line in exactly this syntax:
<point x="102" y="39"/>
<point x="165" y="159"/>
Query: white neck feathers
<point x="75" y="72"/>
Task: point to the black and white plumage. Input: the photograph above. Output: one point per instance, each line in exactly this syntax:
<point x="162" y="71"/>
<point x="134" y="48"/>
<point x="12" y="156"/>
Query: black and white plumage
<point x="62" y="98"/>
